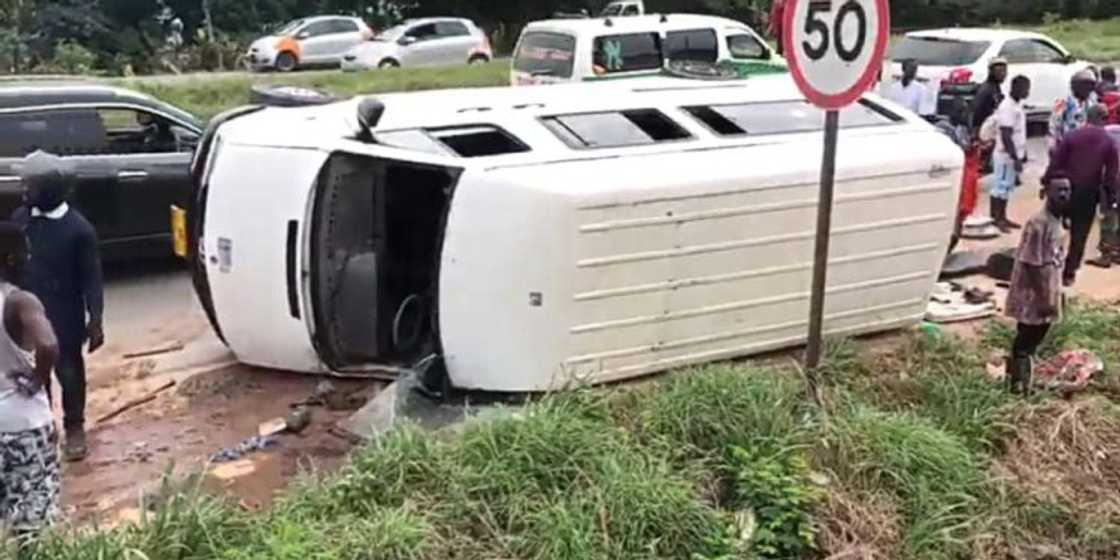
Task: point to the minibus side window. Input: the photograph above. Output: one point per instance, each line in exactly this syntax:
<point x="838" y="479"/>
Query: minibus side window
<point x="627" y="53"/>
<point x="615" y="129"/>
<point x="462" y="141"/>
<point x="694" y="44"/>
<point x="545" y="54"/>
<point x="783" y="117"/>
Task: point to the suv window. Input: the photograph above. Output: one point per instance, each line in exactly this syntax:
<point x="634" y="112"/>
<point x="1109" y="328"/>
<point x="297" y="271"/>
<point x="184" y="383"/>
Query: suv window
<point x="934" y="51"/>
<point x="129" y="131"/>
<point x="615" y="129"/>
<point x="62" y="132"/>
<point x="783" y="117"/>
<point x="746" y="46"/>
<point x="546" y="54"/>
<point x="696" y="44"/>
<point x="452" y="29"/>
<point x="627" y="53"/>
<point x="423" y="32"/>
<point x="1028" y="51"/>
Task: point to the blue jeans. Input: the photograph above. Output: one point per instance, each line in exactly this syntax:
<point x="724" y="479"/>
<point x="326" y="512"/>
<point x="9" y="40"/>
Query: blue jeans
<point x="1004" y="178"/>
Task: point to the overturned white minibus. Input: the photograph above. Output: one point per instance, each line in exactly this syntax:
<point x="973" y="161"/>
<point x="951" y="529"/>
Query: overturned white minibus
<point x="527" y="239"/>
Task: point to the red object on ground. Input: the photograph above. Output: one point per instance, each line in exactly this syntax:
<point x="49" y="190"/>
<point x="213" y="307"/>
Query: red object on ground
<point x="970" y="182"/>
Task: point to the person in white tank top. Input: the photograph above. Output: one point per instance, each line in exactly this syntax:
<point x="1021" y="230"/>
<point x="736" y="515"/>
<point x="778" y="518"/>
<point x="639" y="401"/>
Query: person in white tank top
<point x="30" y="477"/>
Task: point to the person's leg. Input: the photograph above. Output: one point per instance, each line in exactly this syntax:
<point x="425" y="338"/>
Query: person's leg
<point x="33" y="466"/>
<point x="1019" y="366"/>
<point x="1003" y="182"/>
<point x="1110" y="237"/>
<point x="1083" y="212"/>
<point x="71" y="372"/>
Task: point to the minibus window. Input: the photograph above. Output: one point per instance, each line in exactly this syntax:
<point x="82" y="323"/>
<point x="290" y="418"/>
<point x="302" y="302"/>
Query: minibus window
<point x="627" y="53"/>
<point x="614" y="129"/>
<point x="545" y="54"/>
<point x="784" y="117"/>
<point x="463" y="141"/>
<point x="695" y="44"/>
<point x="478" y="141"/>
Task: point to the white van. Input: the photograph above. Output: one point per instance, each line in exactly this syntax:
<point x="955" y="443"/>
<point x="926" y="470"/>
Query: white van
<point x="524" y="239"/>
<point x="574" y="50"/>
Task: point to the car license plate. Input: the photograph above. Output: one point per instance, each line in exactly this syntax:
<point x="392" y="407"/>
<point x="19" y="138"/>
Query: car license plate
<point x="179" y="231"/>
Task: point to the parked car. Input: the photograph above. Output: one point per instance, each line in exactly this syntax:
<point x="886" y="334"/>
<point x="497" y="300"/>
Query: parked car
<point x="314" y="41"/>
<point x="608" y="230"/>
<point x="954" y="62"/>
<point x="573" y="50"/>
<point x="422" y="42"/>
<point x="131" y="153"/>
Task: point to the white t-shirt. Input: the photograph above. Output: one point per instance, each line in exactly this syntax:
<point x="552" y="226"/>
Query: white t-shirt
<point x="17" y="412"/>
<point x="1011" y="114"/>
<point x="914" y="96"/>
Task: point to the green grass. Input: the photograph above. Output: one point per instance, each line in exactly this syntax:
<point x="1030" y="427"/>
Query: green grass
<point x="206" y="96"/>
<point x="1094" y="40"/>
<point x="714" y="463"/>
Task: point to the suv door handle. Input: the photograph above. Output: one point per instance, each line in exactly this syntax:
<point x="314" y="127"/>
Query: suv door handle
<point x="132" y="175"/>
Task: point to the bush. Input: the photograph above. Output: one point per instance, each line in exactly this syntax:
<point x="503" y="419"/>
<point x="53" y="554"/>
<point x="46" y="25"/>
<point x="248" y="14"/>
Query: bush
<point x="778" y="488"/>
<point x="72" y="58"/>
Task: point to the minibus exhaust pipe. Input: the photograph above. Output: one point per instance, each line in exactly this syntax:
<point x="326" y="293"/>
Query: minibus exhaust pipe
<point x="369" y="114"/>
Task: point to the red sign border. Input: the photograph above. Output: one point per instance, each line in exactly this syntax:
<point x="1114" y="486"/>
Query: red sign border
<point x="866" y="81"/>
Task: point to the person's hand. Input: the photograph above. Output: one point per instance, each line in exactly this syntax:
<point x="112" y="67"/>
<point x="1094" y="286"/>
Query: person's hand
<point x="96" y="336"/>
<point x="26" y="384"/>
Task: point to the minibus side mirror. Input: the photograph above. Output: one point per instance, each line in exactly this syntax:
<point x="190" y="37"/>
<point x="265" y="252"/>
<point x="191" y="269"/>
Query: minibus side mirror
<point x="369" y="114"/>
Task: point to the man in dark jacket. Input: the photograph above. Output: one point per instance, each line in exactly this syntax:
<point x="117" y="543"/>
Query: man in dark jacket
<point x="65" y="273"/>
<point x="990" y="94"/>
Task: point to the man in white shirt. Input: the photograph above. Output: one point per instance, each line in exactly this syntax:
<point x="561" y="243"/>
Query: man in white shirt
<point x="1010" y="152"/>
<point x="911" y="93"/>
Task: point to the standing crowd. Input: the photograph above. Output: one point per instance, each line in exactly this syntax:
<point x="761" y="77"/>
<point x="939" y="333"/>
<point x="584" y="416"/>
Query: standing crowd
<point x="51" y="304"/>
<point x="1082" y="181"/>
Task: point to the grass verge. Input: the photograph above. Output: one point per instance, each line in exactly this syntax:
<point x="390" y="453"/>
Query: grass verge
<point x="920" y="456"/>
<point x="206" y="96"/>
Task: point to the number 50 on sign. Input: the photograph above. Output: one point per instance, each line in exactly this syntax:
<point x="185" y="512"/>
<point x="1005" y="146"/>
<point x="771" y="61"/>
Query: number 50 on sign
<point x="835" y="48"/>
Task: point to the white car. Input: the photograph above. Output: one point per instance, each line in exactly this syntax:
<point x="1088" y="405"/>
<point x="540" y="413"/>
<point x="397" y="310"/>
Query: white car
<point x="422" y="42"/>
<point x="574" y="50"/>
<point x="528" y="239"/>
<point x="314" y="41"/>
<point x="954" y="62"/>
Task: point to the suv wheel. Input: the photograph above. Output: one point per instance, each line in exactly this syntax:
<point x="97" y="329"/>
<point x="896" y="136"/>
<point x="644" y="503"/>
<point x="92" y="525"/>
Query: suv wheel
<point x="285" y="62"/>
<point x="389" y="63"/>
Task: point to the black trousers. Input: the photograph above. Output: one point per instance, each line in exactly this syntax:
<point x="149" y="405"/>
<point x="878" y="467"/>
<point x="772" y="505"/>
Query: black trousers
<point x="1028" y="339"/>
<point x="71" y="373"/>
<point x="1082" y="216"/>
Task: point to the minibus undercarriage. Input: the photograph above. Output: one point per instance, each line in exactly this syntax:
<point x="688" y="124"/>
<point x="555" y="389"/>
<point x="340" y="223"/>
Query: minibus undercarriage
<point x="376" y="235"/>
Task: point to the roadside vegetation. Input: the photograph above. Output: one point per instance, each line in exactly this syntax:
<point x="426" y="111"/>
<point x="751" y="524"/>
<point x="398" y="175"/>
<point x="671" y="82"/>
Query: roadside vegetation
<point x="1093" y="40"/>
<point x="919" y="456"/>
<point x="206" y="96"/>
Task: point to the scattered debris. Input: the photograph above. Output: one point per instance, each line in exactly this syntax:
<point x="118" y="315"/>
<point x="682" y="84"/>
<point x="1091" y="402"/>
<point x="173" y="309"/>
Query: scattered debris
<point x="979" y="228"/>
<point x="963" y="263"/>
<point x="328" y="394"/>
<point x="298" y="420"/>
<point x="1068" y="372"/>
<point x="272" y="427"/>
<point x="136" y="402"/>
<point x="251" y="445"/>
<point x="233" y="469"/>
<point x="154" y="352"/>
<point x="952" y="303"/>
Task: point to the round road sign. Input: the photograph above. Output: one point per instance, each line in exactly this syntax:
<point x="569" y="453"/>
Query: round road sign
<point x="835" y="48"/>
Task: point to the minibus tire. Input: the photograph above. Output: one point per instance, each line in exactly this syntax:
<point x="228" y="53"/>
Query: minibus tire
<point x="288" y="96"/>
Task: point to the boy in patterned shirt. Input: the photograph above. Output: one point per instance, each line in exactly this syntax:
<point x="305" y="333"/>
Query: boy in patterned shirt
<point x="1035" y="297"/>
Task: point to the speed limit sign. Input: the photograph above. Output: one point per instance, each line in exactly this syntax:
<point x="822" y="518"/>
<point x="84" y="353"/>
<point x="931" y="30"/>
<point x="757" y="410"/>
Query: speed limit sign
<point x="835" y="48"/>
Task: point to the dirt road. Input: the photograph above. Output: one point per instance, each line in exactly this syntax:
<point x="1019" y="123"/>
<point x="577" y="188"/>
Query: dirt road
<point x="215" y="404"/>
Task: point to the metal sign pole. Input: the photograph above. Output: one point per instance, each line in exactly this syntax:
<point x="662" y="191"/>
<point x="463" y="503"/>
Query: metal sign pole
<point x="820" y="257"/>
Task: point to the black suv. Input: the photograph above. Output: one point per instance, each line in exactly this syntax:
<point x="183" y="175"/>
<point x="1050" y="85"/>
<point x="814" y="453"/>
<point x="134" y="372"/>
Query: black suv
<point x="132" y="155"/>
